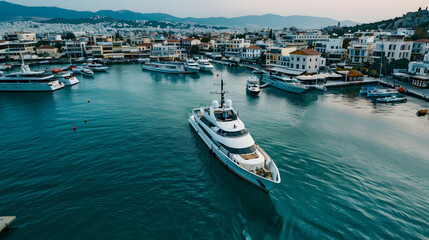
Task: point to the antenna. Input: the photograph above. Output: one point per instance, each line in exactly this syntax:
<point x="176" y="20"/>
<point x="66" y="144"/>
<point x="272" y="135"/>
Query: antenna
<point x="222" y="92"/>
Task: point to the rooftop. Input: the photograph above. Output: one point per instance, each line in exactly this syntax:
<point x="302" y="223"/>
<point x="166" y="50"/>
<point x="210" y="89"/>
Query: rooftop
<point x="305" y="52"/>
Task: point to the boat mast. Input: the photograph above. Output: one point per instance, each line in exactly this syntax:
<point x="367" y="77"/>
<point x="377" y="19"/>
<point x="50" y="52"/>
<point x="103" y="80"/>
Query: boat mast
<point x="222" y="93"/>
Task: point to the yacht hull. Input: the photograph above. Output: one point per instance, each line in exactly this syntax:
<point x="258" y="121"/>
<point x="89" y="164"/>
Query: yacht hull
<point x="284" y="86"/>
<point x="262" y="183"/>
<point x="30" y="87"/>
<point x="162" y="70"/>
<point x="69" y="82"/>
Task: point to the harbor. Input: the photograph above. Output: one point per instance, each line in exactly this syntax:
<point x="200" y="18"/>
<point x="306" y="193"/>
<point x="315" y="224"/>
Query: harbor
<point x="136" y="165"/>
<point x="222" y="120"/>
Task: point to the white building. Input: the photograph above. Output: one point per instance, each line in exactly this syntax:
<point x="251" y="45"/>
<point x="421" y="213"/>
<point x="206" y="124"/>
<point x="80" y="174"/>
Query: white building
<point x="252" y="52"/>
<point x="405" y="32"/>
<point x="393" y="49"/>
<point x="306" y="37"/>
<point x="420" y="48"/>
<point x="235" y="47"/>
<point x="420" y="68"/>
<point x="332" y="49"/>
<point x="74" y="49"/>
<point x="304" y="60"/>
<point x="168" y="49"/>
<point x="420" y="72"/>
<point x="360" y="50"/>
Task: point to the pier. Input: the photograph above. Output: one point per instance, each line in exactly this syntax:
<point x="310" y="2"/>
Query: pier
<point x="6" y="221"/>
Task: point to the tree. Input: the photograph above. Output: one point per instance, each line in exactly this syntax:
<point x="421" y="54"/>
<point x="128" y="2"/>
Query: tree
<point x="58" y="46"/>
<point x="270" y="35"/>
<point x="41" y="43"/>
<point x="118" y="36"/>
<point x="194" y="49"/>
<point x="419" y="34"/>
<point x="70" y="35"/>
<point x="263" y="59"/>
<point x="205" y="39"/>
<point x="129" y="41"/>
<point x="346" y="42"/>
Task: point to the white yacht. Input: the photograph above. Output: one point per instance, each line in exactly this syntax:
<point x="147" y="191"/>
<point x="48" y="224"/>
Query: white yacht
<point x="205" y="65"/>
<point x="191" y="66"/>
<point x="252" y="85"/>
<point x="66" y="77"/>
<point x="6" y="67"/>
<point x="284" y="83"/>
<point x="95" y="67"/>
<point x="27" y="80"/>
<point x="82" y="70"/>
<point x="226" y="136"/>
<point x="382" y="92"/>
<point x="164" y="67"/>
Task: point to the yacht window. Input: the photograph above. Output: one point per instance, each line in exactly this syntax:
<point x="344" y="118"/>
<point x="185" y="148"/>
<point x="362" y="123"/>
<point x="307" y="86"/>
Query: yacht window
<point x="225" y="116"/>
<point x="232" y="134"/>
<point x="247" y="150"/>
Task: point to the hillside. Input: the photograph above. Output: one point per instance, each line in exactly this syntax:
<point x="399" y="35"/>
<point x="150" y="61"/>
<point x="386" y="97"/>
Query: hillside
<point x="410" y="20"/>
<point x="14" y="12"/>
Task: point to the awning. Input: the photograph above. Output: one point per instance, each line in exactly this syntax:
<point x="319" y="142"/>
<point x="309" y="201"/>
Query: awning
<point x="421" y="77"/>
<point x="287" y="71"/>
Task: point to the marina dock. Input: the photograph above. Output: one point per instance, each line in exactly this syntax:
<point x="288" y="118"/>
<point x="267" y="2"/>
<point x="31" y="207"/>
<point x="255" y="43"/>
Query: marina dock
<point x="6" y="221"/>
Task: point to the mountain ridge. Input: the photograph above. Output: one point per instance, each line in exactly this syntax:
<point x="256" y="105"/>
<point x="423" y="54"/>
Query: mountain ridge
<point x="13" y="12"/>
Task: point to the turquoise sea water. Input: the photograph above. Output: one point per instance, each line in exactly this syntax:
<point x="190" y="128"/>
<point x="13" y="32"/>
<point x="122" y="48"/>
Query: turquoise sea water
<point x="350" y="168"/>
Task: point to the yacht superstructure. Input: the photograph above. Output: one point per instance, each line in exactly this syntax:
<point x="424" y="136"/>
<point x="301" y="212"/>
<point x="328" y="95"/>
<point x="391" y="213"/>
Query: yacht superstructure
<point x="191" y="66"/>
<point x="205" y="65"/>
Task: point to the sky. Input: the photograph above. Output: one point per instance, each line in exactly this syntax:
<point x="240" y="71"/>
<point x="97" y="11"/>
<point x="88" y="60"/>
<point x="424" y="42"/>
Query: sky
<point x="356" y="10"/>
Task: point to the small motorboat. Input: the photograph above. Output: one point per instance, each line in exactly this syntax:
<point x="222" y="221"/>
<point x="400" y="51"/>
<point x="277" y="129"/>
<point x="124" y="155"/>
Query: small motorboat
<point x="422" y="112"/>
<point x="393" y="98"/>
<point x="6" y="67"/>
<point x="252" y="85"/>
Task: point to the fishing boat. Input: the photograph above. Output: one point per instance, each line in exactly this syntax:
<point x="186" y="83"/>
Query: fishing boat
<point x="392" y="98"/>
<point x="252" y="85"/>
<point x="226" y="136"/>
<point x="284" y="83"/>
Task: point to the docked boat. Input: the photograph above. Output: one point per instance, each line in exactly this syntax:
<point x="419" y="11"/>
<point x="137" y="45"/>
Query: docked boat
<point x="191" y="66"/>
<point x="6" y="67"/>
<point x="365" y="89"/>
<point x="205" y="65"/>
<point x="164" y="67"/>
<point x="226" y="136"/>
<point x="82" y="70"/>
<point x="66" y="77"/>
<point x="95" y="67"/>
<point x="382" y="92"/>
<point x="392" y="98"/>
<point x="29" y="81"/>
<point x="284" y="83"/>
<point x="252" y="85"/>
